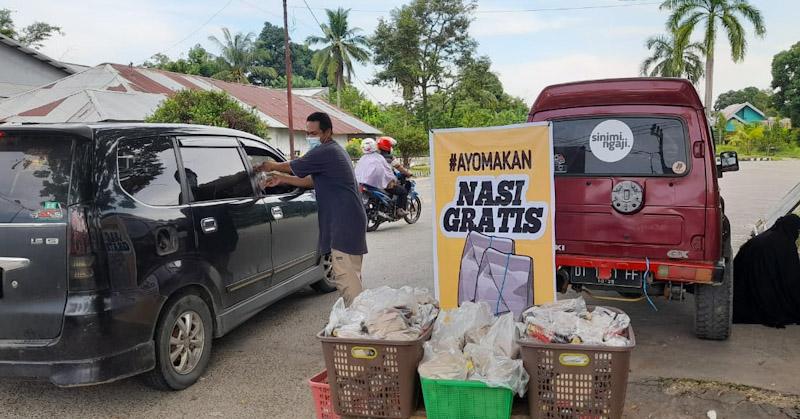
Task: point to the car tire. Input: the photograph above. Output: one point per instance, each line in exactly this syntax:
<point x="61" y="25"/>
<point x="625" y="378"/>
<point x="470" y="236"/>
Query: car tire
<point x="714" y="304"/>
<point x="184" y="325"/>
<point x="326" y="284"/>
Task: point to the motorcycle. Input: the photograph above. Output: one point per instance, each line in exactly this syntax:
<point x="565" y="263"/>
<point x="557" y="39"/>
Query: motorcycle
<point x="382" y="207"/>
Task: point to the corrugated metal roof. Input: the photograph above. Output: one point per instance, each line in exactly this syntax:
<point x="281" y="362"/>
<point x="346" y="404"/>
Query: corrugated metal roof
<point x="68" y="68"/>
<point x="111" y="90"/>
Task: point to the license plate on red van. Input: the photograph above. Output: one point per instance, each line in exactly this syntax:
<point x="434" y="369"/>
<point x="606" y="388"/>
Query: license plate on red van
<point x="619" y="277"/>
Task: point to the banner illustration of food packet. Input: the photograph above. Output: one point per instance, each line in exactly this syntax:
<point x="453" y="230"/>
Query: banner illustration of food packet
<point x="493" y="190"/>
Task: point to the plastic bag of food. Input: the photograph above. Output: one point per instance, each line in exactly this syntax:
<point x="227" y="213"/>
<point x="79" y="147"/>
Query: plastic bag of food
<point x="446" y="365"/>
<point x="496" y="370"/>
<point x="391" y="324"/>
<point x="452" y="325"/>
<point x="344" y="322"/>
<point x="571" y="305"/>
<point x="502" y="337"/>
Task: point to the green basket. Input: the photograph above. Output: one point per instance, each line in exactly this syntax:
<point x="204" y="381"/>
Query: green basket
<point x="448" y="399"/>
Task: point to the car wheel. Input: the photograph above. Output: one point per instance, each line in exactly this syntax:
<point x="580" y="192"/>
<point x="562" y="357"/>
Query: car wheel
<point x="414" y="210"/>
<point x="183" y="343"/>
<point x="326" y="284"/>
<point x="714" y="305"/>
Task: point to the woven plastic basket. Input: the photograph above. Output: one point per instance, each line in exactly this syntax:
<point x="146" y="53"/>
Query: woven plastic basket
<point x="373" y="378"/>
<point x="576" y="381"/>
<point x="321" y="392"/>
<point x="447" y="399"/>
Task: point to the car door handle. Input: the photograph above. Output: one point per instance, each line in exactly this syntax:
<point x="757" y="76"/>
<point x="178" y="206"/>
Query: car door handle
<point x="12" y="264"/>
<point x="208" y="225"/>
<point x="277" y="213"/>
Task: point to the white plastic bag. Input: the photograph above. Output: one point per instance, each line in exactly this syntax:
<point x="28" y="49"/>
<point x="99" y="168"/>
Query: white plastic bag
<point x="452" y="325"/>
<point x="497" y="370"/>
<point x="502" y="337"/>
<point x="447" y="365"/>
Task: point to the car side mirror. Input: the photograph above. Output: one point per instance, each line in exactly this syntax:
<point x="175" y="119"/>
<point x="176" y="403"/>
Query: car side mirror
<point x="728" y="162"/>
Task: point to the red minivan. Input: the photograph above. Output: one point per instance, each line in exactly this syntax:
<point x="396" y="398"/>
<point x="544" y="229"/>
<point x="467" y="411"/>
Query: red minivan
<point x="638" y="208"/>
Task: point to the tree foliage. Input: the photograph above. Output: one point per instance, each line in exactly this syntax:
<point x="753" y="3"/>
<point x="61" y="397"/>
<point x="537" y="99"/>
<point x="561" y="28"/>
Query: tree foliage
<point x="786" y="81"/>
<point x="671" y="57"/>
<point x="761" y="99"/>
<point x="240" y="58"/>
<point x="341" y="46"/>
<point x="272" y="40"/>
<point x="686" y="15"/>
<point x="353" y="148"/>
<point x="421" y="48"/>
<point x="208" y="108"/>
<point x="198" y="62"/>
<point x="33" y="35"/>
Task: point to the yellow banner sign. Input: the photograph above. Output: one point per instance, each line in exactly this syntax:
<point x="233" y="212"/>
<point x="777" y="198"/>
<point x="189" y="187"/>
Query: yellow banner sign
<point x="494" y="216"/>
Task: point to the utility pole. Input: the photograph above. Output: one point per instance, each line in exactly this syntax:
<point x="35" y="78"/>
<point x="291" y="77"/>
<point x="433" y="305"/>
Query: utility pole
<point x="288" y="58"/>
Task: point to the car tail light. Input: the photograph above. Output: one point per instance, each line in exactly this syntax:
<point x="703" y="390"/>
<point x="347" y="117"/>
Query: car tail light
<point x="81" y="257"/>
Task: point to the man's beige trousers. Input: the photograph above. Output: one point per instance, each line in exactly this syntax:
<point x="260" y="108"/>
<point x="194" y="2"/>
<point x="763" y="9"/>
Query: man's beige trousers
<point x="347" y="274"/>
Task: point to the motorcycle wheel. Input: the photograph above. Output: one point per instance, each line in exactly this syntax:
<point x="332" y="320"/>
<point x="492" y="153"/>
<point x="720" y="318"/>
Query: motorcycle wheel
<point x="414" y="210"/>
<point x="372" y="223"/>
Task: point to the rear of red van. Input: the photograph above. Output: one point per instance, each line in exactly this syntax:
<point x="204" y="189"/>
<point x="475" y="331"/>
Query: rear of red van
<point x="638" y="208"/>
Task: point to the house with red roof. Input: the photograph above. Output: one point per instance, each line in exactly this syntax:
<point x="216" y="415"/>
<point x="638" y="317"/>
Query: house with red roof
<point x="117" y="92"/>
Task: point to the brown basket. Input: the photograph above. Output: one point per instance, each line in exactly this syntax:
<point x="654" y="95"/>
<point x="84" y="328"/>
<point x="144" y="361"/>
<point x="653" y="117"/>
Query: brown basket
<point x="371" y="377"/>
<point x="576" y="381"/>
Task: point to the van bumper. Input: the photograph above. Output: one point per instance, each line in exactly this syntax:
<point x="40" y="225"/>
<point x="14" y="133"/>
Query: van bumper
<point x="105" y="337"/>
<point x="83" y="372"/>
<point x="680" y="271"/>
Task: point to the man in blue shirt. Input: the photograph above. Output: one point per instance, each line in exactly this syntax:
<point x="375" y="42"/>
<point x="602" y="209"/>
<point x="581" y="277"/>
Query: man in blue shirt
<point x="327" y="168"/>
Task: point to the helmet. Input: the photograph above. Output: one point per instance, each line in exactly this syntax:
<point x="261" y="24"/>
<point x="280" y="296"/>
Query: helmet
<point x="368" y="145"/>
<point x="386" y="143"/>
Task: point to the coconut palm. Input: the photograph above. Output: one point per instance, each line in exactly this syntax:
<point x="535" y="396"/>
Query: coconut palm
<point x="669" y="58"/>
<point x="342" y="46"/>
<point x="239" y="56"/>
<point x="715" y="14"/>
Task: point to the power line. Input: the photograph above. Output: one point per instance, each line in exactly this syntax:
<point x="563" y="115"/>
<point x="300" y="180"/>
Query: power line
<point x="200" y="27"/>
<point x="312" y="14"/>
<point x="543" y="9"/>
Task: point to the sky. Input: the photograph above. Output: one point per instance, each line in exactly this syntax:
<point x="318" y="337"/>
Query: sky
<point x="530" y="48"/>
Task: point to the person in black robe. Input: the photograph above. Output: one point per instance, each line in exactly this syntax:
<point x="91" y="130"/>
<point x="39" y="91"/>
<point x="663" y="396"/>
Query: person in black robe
<point x="767" y="277"/>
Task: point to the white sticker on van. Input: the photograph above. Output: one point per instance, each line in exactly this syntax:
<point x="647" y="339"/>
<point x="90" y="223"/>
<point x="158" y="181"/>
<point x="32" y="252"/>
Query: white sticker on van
<point x="611" y="140"/>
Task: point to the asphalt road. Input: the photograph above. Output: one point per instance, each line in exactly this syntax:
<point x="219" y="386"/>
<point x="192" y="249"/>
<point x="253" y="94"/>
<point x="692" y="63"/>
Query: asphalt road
<point x="261" y="368"/>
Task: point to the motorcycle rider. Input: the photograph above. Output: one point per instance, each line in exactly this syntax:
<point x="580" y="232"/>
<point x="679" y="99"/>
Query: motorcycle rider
<point x="372" y="169"/>
<point x="385" y="145"/>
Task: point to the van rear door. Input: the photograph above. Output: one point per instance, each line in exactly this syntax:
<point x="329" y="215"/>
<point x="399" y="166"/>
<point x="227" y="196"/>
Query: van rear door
<point x="35" y="173"/>
<point x="628" y="186"/>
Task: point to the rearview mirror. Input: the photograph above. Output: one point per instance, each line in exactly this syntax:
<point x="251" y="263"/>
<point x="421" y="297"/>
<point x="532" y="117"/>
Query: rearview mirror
<point x="728" y="161"/>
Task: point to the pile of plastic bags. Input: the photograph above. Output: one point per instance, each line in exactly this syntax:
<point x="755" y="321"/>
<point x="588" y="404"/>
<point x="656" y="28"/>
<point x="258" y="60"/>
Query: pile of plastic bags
<point x="384" y="313"/>
<point x="569" y="321"/>
<point x="470" y="343"/>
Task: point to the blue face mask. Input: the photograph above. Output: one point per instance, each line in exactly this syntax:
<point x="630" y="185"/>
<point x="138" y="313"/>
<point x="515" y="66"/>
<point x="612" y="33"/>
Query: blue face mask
<point x="313" y="142"/>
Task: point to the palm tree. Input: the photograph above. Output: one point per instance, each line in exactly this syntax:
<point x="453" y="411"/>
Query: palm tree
<point x="239" y="55"/>
<point x="673" y="59"/>
<point x="687" y="14"/>
<point x="343" y="45"/>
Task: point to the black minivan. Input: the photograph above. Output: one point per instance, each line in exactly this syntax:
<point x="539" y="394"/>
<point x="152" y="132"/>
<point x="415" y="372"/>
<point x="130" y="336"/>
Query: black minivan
<point x="125" y="248"/>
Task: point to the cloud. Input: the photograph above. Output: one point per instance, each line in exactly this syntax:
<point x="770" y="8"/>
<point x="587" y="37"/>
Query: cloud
<point x="526" y="80"/>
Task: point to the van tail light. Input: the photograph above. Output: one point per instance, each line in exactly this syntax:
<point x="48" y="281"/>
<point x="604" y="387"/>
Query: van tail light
<point x="81" y="256"/>
<point x="673" y="272"/>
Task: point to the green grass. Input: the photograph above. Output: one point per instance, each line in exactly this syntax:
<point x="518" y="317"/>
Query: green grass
<point x="787" y="152"/>
<point x="421" y="170"/>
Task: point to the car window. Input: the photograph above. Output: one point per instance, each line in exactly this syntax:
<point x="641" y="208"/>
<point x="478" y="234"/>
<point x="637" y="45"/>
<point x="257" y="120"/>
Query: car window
<point x="258" y="153"/>
<point x="34" y="177"/>
<point x="148" y="170"/>
<point x="632" y="146"/>
<point x="215" y="173"/>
